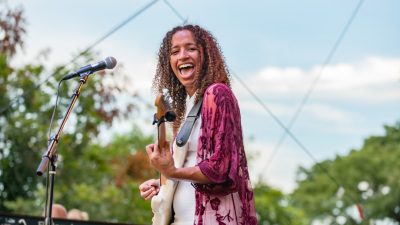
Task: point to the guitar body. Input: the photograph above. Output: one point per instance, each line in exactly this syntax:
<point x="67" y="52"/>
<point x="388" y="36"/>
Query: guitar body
<point x="161" y="204"/>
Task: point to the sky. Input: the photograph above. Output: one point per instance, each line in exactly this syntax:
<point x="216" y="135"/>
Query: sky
<point x="277" y="52"/>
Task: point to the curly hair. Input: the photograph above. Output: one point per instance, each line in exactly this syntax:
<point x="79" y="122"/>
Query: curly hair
<point x="214" y="69"/>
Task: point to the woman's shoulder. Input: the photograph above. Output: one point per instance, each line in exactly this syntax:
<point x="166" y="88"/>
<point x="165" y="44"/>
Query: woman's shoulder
<point x="218" y="89"/>
<point x="217" y="93"/>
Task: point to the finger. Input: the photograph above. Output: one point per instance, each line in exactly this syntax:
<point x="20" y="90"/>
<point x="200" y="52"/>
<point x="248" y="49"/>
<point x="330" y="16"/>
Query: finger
<point x="166" y="145"/>
<point x="144" y="193"/>
<point x="150" y="149"/>
<point x="151" y="195"/>
<point x="156" y="148"/>
<point x="148" y="192"/>
<point x="155" y="182"/>
<point x="144" y="187"/>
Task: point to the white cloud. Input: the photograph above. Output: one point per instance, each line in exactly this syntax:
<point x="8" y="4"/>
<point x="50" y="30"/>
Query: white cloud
<point x="329" y="113"/>
<point x="339" y="97"/>
<point x="255" y="107"/>
<point x="276" y="169"/>
<point x="374" y="79"/>
<point x="345" y="101"/>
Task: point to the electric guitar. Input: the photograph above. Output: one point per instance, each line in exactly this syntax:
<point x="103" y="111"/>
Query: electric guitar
<point x="161" y="204"/>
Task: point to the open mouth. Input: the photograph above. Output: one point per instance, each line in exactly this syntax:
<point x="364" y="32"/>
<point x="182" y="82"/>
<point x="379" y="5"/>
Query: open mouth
<point x="186" y="69"/>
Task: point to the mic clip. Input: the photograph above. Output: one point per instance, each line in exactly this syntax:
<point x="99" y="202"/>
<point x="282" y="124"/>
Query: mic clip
<point x="83" y="76"/>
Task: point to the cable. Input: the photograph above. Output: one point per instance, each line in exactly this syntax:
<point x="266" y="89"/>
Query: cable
<point x="273" y="116"/>
<point x="54" y="109"/>
<point x="287" y="129"/>
<point x="123" y="23"/>
<point x="314" y="83"/>
<point x="90" y="47"/>
<point x="304" y="101"/>
<point x="176" y="12"/>
<point x="294" y="138"/>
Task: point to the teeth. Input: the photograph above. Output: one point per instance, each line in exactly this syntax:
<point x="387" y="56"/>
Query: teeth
<point x="185" y="66"/>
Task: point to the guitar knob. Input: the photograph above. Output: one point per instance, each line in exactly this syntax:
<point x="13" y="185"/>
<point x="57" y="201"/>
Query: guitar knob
<point x="170" y="116"/>
<point x="179" y="142"/>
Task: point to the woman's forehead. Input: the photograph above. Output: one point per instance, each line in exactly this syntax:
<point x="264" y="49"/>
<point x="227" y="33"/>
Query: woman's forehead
<point x="183" y="37"/>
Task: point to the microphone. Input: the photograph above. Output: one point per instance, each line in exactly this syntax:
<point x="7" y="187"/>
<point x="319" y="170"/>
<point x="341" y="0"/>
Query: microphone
<point x="107" y="63"/>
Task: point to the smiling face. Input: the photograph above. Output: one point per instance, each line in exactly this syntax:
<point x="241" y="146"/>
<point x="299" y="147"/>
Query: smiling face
<point x="186" y="59"/>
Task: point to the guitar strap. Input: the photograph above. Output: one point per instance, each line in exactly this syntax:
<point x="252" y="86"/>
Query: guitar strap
<point x="187" y="127"/>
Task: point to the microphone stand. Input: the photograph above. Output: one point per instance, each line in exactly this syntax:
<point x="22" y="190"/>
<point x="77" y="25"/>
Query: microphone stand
<point x="51" y="154"/>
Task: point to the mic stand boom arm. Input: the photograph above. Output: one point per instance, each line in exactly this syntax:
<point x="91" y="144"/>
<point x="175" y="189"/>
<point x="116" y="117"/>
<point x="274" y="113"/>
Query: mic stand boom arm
<point x="51" y="153"/>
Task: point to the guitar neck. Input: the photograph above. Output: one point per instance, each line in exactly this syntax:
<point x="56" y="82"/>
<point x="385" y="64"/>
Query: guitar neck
<point x="161" y="146"/>
<point x="164" y="113"/>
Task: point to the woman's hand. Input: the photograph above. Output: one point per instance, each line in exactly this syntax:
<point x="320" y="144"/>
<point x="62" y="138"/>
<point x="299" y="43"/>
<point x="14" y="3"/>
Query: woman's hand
<point x="161" y="160"/>
<point x="164" y="163"/>
<point x="149" y="188"/>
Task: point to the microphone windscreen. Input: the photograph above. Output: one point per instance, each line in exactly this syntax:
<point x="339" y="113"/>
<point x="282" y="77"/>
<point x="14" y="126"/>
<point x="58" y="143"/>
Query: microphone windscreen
<point x="111" y="62"/>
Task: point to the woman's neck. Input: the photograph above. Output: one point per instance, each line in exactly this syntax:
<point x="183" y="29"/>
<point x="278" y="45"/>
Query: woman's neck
<point x="190" y="92"/>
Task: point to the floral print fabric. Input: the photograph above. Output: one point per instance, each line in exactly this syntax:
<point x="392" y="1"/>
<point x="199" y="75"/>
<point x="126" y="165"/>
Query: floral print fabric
<point x="221" y="157"/>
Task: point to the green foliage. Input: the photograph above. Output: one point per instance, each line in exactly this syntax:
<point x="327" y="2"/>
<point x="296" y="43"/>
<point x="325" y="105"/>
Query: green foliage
<point x="369" y="177"/>
<point x="273" y="207"/>
<point x="100" y="179"/>
<point x="26" y="111"/>
<point x="22" y="130"/>
<point x="99" y="182"/>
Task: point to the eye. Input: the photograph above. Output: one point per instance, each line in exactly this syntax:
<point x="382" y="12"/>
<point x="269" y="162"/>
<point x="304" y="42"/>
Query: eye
<point x="192" y="49"/>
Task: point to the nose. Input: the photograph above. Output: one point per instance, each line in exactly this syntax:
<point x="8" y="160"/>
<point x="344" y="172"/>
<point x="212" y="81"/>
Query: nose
<point x="183" y="54"/>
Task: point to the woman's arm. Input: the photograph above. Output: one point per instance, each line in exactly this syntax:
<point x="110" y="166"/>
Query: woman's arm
<point x="192" y="174"/>
<point x="165" y="165"/>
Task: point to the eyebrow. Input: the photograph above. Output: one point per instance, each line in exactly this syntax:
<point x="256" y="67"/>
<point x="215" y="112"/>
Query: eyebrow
<point x="186" y="44"/>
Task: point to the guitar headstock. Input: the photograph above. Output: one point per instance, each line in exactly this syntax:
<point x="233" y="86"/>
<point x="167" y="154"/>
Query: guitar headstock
<point x="164" y="109"/>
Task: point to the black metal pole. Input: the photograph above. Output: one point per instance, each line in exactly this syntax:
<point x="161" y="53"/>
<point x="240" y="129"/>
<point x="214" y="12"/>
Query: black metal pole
<point x="50" y="190"/>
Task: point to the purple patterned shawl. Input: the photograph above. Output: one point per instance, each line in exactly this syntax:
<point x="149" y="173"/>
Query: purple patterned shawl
<point x="221" y="157"/>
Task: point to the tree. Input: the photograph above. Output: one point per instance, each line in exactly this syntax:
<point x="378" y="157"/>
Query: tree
<point x="368" y="177"/>
<point x="273" y="207"/>
<point x="12" y="24"/>
<point x="102" y="181"/>
<point x="97" y="177"/>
